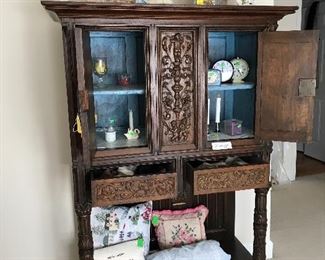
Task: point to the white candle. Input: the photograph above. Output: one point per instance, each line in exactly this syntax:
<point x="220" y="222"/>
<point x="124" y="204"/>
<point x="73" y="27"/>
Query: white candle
<point x="208" y="119"/>
<point x="131" y="120"/>
<point x="218" y="108"/>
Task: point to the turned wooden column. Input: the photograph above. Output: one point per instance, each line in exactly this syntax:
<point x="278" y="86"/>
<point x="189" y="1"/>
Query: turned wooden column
<point x="85" y="242"/>
<point x="260" y="224"/>
<point x="83" y="208"/>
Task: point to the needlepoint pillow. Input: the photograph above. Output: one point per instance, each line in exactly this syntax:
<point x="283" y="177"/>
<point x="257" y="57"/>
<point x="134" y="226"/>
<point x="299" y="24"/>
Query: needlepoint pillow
<point x="117" y="224"/>
<point x="179" y="227"/>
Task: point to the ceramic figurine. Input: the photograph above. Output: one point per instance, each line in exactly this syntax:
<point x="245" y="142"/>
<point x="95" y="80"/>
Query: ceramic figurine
<point x="110" y="134"/>
<point x="126" y="170"/>
<point x="132" y="134"/>
<point x="124" y="79"/>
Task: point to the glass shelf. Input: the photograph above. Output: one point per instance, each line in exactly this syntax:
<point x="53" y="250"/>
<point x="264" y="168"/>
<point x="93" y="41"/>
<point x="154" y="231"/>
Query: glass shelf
<point x="231" y="86"/>
<point x="121" y="140"/>
<point x="218" y="136"/>
<point x="135" y="89"/>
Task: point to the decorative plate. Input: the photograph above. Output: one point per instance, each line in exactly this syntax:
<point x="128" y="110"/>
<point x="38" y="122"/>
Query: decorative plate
<point x="241" y="70"/>
<point x="214" y="77"/>
<point x="226" y="68"/>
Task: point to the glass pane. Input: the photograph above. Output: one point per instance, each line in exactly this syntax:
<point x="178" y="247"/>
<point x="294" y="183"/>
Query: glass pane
<point x="231" y="85"/>
<point x="119" y="88"/>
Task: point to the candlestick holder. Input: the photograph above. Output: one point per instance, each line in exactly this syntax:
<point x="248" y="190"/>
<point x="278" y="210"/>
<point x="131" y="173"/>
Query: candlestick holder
<point x="100" y="68"/>
<point x="217" y="127"/>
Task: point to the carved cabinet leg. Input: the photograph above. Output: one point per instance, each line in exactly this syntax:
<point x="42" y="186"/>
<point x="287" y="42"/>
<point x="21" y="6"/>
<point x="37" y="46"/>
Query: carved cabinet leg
<point x="260" y="224"/>
<point x="83" y="211"/>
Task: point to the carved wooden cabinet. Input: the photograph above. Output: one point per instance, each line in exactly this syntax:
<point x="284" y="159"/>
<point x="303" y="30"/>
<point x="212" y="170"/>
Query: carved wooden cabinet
<point x="139" y="97"/>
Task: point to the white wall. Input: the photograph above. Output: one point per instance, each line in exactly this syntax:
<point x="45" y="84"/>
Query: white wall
<point x="36" y="207"/>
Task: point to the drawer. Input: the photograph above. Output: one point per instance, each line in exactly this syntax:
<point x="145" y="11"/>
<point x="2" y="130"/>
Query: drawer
<point x="138" y="188"/>
<point x="252" y="174"/>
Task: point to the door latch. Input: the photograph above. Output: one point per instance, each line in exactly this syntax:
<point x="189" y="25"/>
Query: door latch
<point x="307" y="88"/>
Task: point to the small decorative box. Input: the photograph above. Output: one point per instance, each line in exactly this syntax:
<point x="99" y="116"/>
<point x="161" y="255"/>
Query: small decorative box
<point x="233" y="127"/>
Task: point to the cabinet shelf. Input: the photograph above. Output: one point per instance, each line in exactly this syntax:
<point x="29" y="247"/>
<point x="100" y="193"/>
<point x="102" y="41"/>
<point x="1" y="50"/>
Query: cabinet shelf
<point x="218" y="136"/>
<point x="121" y="140"/>
<point x="136" y="89"/>
<point x="231" y="86"/>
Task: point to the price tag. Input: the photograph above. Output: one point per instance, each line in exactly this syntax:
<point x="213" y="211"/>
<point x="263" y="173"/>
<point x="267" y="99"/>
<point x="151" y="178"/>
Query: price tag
<point x="221" y="146"/>
<point x="155" y="220"/>
<point x="140" y="242"/>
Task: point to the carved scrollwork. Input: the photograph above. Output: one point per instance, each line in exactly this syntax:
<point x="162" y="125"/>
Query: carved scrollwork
<point x="267" y="150"/>
<point x="230" y="179"/>
<point x="133" y="189"/>
<point x="177" y="86"/>
<point x="83" y="211"/>
<point x="271" y="27"/>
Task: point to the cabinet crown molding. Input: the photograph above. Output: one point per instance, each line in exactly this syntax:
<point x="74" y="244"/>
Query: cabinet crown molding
<point x="99" y="9"/>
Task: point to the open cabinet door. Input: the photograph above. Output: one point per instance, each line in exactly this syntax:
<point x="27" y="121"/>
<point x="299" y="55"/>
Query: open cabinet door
<point x="287" y="63"/>
<point x="85" y="97"/>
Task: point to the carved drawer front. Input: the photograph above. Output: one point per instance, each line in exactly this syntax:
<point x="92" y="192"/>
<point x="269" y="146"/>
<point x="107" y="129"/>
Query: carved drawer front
<point x="133" y="189"/>
<point x="232" y="178"/>
<point x="177" y="89"/>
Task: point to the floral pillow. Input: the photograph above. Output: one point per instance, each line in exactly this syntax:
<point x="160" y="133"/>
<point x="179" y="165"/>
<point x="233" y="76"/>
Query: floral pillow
<point x="179" y="227"/>
<point x="117" y="224"/>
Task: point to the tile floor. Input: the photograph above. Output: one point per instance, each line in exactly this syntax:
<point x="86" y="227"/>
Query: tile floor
<point x="298" y="219"/>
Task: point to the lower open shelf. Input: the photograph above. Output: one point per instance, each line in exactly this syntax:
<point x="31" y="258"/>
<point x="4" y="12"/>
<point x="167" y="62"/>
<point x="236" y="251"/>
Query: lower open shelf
<point x="235" y="248"/>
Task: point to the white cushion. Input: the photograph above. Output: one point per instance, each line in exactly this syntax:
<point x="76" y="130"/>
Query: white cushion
<point x="124" y="251"/>
<point x="204" y="250"/>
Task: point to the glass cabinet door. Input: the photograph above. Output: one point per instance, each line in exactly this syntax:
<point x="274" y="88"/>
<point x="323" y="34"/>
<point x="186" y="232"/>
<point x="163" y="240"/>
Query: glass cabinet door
<point x="118" y="90"/>
<point x="232" y="58"/>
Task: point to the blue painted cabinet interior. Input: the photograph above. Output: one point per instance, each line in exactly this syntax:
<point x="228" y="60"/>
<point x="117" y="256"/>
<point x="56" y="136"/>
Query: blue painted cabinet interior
<point x="237" y="100"/>
<point x="124" y="52"/>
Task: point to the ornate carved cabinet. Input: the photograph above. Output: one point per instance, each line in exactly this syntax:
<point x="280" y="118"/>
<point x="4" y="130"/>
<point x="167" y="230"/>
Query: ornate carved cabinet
<point x="138" y="94"/>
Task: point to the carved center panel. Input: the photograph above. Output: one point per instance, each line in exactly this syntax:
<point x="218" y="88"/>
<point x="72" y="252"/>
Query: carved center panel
<point x="177" y="87"/>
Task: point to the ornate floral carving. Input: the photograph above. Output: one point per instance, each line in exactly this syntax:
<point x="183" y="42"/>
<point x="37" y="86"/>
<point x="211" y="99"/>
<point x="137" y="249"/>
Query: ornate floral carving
<point x="230" y="179"/>
<point x="83" y="209"/>
<point x="85" y="247"/>
<point x="260" y="224"/>
<point x="177" y="86"/>
<point x="133" y="189"/>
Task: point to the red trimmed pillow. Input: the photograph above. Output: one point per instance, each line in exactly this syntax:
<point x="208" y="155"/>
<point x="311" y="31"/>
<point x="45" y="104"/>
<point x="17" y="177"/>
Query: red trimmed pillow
<point x="179" y="227"/>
